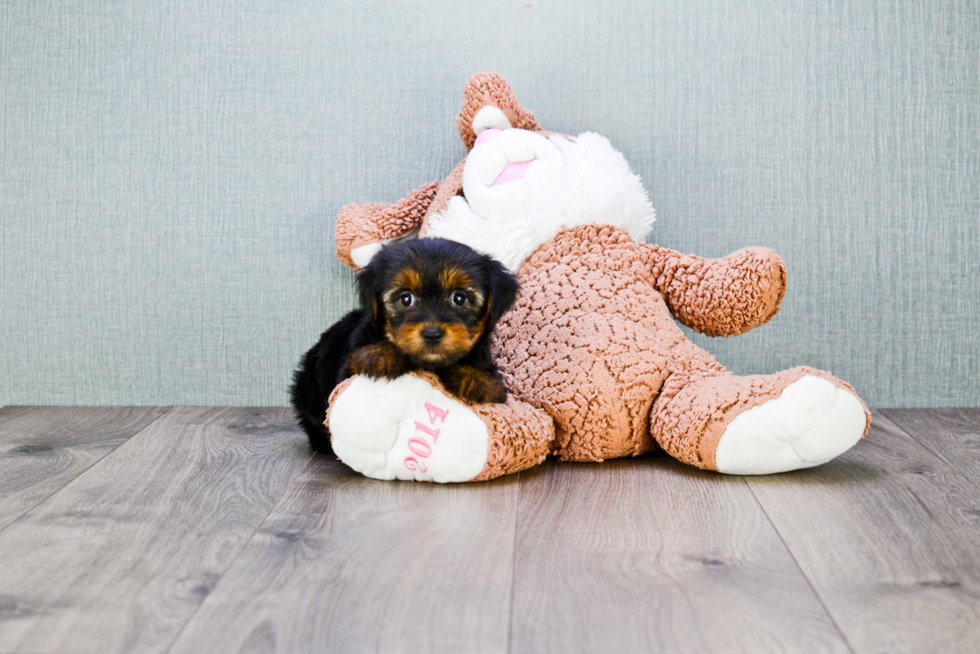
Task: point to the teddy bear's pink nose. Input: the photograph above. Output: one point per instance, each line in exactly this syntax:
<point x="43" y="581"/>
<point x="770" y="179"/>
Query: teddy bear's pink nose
<point x="487" y="135"/>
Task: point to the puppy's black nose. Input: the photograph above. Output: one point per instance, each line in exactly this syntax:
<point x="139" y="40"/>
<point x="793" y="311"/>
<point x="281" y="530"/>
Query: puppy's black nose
<point x="432" y="335"/>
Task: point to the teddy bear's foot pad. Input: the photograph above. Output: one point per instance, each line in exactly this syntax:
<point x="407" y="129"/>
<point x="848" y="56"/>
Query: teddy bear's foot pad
<point x="809" y="423"/>
<point x="406" y="429"/>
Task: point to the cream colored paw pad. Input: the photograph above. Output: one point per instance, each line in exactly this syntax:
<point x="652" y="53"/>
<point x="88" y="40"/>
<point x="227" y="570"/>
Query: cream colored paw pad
<point x="811" y="422"/>
<point x="406" y="429"/>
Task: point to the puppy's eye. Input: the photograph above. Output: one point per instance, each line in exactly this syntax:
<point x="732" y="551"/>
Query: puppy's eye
<point x="460" y="299"/>
<point x="406" y="299"/>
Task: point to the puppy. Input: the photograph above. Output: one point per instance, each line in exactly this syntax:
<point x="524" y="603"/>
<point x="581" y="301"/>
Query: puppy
<point x="426" y="304"/>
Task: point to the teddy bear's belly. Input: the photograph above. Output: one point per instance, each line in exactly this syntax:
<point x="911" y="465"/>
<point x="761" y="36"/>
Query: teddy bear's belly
<point x="589" y="341"/>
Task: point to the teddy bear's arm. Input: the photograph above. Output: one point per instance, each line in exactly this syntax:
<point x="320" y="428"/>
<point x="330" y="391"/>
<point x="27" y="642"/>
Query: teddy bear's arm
<point x="368" y="225"/>
<point x="719" y="297"/>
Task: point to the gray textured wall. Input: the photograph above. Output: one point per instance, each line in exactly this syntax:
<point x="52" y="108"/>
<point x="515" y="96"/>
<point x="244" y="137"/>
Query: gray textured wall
<point x="169" y="172"/>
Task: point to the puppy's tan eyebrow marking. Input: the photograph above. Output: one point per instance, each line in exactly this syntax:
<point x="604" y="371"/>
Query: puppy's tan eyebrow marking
<point x="453" y="278"/>
<point x="477" y="297"/>
<point x="409" y="279"/>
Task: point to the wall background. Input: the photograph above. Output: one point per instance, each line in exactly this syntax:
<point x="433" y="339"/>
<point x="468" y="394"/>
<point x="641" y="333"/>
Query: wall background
<point x="169" y="173"/>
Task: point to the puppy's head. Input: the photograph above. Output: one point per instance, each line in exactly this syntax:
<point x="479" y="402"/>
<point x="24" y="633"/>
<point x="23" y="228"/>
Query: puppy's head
<point x="435" y="299"/>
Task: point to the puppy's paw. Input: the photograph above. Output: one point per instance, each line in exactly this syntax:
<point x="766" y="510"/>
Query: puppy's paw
<point x="474" y="385"/>
<point x="479" y="391"/>
<point x="379" y="360"/>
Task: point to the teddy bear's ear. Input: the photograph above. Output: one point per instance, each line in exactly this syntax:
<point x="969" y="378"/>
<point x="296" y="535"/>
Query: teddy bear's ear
<point x="488" y="101"/>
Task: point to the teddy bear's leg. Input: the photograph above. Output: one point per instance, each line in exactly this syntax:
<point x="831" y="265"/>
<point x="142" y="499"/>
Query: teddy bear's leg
<point x="760" y="424"/>
<point x="409" y="428"/>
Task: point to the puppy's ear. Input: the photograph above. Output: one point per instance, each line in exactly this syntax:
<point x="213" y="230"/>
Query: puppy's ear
<point x="369" y="288"/>
<point x="502" y="291"/>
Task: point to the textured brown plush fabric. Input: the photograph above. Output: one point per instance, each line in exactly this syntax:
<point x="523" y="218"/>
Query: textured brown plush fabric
<point x="362" y="224"/>
<point x="719" y="297"/>
<point x="490" y="89"/>
<point x="520" y="437"/>
<point x="589" y="341"/>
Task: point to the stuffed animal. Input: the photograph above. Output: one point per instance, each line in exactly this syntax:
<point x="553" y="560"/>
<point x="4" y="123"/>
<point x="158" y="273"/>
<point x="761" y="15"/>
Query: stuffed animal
<point x="595" y="364"/>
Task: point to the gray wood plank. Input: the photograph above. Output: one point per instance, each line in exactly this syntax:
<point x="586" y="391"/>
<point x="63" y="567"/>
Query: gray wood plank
<point x="44" y="448"/>
<point x="350" y="564"/>
<point x="120" y="558"/>
<point x="951" y="434"/>
<point x="888" y="536"/>
<point x="650" y="555"/>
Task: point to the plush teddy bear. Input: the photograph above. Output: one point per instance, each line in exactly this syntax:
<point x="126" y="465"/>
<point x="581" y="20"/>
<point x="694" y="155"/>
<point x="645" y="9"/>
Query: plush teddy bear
<point x="595" y="364"/>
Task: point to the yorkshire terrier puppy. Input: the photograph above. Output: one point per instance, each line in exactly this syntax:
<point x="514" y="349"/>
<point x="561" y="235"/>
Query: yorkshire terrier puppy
<point x="427" y="304"/>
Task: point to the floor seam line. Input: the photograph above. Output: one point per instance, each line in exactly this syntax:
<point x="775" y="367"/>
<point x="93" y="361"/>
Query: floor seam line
<point x="942" y="459"/>
<point x="232" y="563"/>
<point x="809" y="583"/>
<point x="513" y="567"/>
<point x="93" y="464"/>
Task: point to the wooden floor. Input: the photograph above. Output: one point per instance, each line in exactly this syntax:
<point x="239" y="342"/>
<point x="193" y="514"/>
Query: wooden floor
<point x="214" y="530"/>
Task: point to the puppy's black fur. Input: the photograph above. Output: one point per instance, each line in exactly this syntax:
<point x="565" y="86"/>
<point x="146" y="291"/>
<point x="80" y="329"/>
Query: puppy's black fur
<point x="425" y="304"/>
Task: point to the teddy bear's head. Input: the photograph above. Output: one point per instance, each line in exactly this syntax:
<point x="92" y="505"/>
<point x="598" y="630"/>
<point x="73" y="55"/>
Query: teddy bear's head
<point x="519" y="185"/>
